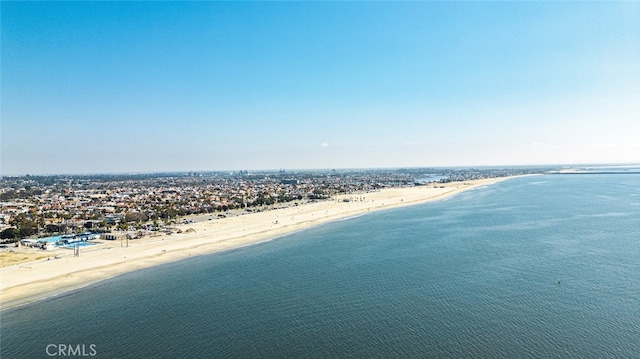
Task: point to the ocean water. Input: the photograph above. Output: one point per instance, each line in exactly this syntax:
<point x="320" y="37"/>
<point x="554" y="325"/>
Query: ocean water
<point x="533" y="267"/>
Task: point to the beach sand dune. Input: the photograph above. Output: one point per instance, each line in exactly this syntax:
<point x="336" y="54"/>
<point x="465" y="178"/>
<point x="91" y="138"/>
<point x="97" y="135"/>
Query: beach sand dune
<point x="27" y="282"/>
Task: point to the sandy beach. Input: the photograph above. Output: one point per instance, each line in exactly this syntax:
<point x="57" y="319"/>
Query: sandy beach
<point x="36" y="280"/>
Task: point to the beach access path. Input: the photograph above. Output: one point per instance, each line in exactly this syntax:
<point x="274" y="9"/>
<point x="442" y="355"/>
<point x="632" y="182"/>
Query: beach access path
<point x="62" y="271"/>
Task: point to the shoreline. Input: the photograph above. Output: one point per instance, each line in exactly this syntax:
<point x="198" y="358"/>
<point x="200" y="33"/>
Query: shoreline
<point x="37" y="280"/>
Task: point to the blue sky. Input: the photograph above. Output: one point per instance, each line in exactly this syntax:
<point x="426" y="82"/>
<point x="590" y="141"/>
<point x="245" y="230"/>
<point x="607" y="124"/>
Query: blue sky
<point x="91" y="87"/>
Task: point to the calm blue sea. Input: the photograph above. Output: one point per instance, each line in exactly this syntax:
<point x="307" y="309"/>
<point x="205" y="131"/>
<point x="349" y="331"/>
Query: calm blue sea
<point x="533" y="267"/>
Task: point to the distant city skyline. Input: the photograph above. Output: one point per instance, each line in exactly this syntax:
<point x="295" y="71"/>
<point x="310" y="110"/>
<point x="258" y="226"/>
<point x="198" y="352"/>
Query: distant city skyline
<point x="117" y="87"/>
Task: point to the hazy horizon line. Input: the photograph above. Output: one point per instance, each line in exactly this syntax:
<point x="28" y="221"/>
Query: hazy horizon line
<point x="290" y="170"/>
